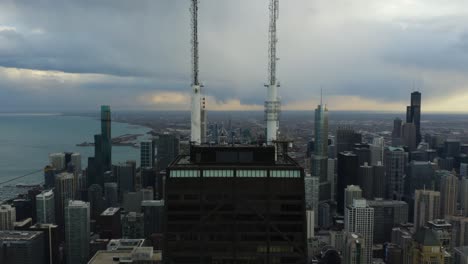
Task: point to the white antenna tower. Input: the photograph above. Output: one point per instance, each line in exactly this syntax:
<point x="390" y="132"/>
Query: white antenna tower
<point x="196" y="86"/>
<point x="272" y="104"/>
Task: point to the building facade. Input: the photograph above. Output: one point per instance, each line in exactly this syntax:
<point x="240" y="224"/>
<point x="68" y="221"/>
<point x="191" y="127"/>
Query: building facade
<point x="77" y="232"/>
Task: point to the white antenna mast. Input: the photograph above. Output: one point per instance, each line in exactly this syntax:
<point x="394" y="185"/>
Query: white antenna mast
<point x="196" y="86"/>
<point x="272" y="104"/>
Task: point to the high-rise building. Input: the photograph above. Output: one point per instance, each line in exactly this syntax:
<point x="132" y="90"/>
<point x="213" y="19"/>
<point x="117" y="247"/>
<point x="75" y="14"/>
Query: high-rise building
<point x="153" y="215"/>
<point x="377" y="150"/>
<point x="408" y="132"/>
<point x="355" y="249"/>
<point x="167" y="149"/>
<point x="331" y="171"/>
<point x="111" y="194"/>
<point x="64" y="191"/>
<point x="346" y="137"/>
<point x="464" y="170"/>
<point x="51" y="242"/>
<point x="241" y="203"/>
<point x="347" y="174"/>
<point x="426" y="207"/>
<point x="96" y="203"/>
<point x="359" y="218"/>
<point x="443" y="231"/>
<point x="7" y="217"/>
<point x="448" y="195"/>
<point x="77" y="232"/>
<point x="413" y="114"/>
<point x="459" y="230"/>
<point x="451" y="148"/>
<point x="57" y="160"/>
<point x="312" y="195"/>
<point x="395" y="163"/>
<point x="420" y="175"/>
<point x="352" y="192"/>
<point x="125" y="174"/>
<point x="366" y="180"/>
<point x="45" y="207"/>
<point x="319" y="159"/>
<point x="147" y="155"/>
<point x="25" y="247"/>
<point x="106" y="138"/>
<point x="110" y="224"/>
<point x="379" y="189"/>
<point x="396" y="133"/>
<point x="133" y="225"/>
<point x="76" y="162"/>
<point x="387" y="214"/>
<point x="426" y="247"/>
<point x="49" y="176"/>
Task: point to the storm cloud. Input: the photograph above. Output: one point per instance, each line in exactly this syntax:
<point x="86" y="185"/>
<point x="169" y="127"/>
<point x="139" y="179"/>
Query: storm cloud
<point x="365" y="54"/>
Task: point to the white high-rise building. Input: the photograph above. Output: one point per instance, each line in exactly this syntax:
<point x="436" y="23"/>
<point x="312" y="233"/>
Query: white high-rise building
<point x="57" y="160"/>
<point x="359" y="218"/>
<point x="77" y="218"/>
<point x="45" y="207"/>
<point x="7" y="217"/>
<point x="76" y="161"/>
<point x="377" y="150"/>
<point x="448" y="195"/>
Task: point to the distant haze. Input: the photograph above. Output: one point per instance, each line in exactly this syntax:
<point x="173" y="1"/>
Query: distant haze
<point x="60" y="56"/>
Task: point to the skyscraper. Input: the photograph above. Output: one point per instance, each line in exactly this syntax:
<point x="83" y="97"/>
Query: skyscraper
<point x="448" y="195"/>
<point x="395" y="163"/>
<point x="106" y="137"/>
<point x="45" y="207"/>
<point x="96" y="203"/>
<point x="57" y="160"/>
<point x="243" y="181"/>
<point x="125" y="174"/>
<point x="133" y="225"/>
<point x="426" y="207"/>
<point x="319" y="160"/>
<point x="379" y="184"/>
<point x="153" y="215"/>
<point x="359" y="218"/>
<point x="111" y="194"/>
<point x="377" y="150"/>
<point x="347" y="175"/>
<point x="366" y="180"/>
<point x="396" y="133"/>
<point x="167" y="149"/>
<point x="413" y="114"/>
<point x="408" y="131"/>
<point x="346" y="137"/>
<point x="64" y="191"/>
<point x="7" y="217"/>
<point x="77" y="228"/>
<point x="387" y="214"/>
<point x="25" y="247"/>
<point x="352" y="192"/>
<point x="147" y="154"/>
<point x="354" y="249"/>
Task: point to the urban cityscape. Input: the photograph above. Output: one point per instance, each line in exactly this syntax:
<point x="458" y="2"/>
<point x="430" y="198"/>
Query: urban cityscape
<point x="271" y="186"/>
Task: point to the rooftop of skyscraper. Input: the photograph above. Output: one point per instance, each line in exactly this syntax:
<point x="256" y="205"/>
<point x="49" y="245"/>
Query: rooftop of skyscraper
<point x="18" y="235"/>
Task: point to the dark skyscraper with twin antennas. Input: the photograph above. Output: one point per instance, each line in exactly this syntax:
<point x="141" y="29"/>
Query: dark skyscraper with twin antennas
<point x="413" y="114"/>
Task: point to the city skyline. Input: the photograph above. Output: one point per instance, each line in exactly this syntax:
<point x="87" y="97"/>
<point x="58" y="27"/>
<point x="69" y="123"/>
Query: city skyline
<point x="81" y="52"/>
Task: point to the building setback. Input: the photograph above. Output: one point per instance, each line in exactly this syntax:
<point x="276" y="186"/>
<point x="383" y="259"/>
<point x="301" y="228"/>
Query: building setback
<point x="234" y="204"/>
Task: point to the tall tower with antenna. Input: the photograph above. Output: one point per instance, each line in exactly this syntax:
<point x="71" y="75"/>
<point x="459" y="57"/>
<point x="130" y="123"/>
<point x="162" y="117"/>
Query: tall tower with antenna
<point x="272" y="104"/>
<point x="196" y="85"/>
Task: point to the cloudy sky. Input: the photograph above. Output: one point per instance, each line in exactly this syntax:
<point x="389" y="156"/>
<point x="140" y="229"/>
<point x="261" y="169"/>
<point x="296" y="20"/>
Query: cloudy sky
<point x="135" y="54"/>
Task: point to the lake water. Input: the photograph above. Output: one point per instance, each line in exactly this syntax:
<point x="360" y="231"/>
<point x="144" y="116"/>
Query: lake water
<point x="27" y="139"/>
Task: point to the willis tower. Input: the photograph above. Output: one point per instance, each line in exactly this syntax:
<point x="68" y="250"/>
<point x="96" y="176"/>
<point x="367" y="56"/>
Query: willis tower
<point x="413" y="114"/>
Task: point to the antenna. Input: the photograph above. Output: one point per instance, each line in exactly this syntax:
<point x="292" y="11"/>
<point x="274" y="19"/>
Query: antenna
<point x="272" y="104"/>
<point x="196" y="86"/>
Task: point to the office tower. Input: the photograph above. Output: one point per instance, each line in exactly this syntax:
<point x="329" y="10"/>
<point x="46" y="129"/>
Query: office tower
<point x="324" y="212"/>
<point x="451" y="148"/>
<point x="464" y="195"/>
<point x="98" y="161"/>
<point x="331" y="178"/>
<point x="57" y="160"/>
<point x="397" y="139"/>
<point x="148" y="177"/>
<point x="147" y="154"/>
<point x="111" y="194"/>
<point x="408" y="133"/>
<point x="377" y="150"/>
<point x="45" y="207"/>
<point x="7" y="217"/>
<point x="446" y="163"/>
<point x="133" y="225"/>
<point x="51" y="242"/>
<point x="387" y="214"/>
<point x="25" y="247"/>
<point x="125" y="174"/>
<point x="49" y="177"/>
<point x="76" y="162"/>
<point x="350" y="193"/>
<point x="77" y="228"/>
<point x="131" y="201"/>
<point x="363" y="152"/>
<point x="420" y="175"/>
<point x="448" y="195"/>
<point x="346" y="137"/>
<point x="152" y="216"/>
<point x="379" y="188"/>
<point x="460" y="255"/>
<point x="245" y="181"/>
<point x="426" y="247"/>
<point x="426" y="207"/>
<point x="312" y="195"/>
<point x="366" y="180"/>
<point x="110" y="223"/>
<point x="91" y="171"/>
<point x="106" y="138"/>
<point x="347" y="174"/>
<point x="359" y="218"/>
<point x="354" y="249"/>
<point x="395" y="163"/>
<point x="459" y="230"/>
<point x="64" y="191"/>
<point x="413" y="114"/>
<point x="167" y="149"/>
<point x="24" y="209"/>
<point x="96" y="202"/>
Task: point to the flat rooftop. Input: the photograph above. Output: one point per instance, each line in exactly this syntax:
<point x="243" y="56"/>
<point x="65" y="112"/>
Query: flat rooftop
<point x="110" y="211"/>
<point x="121" y="256"/>
<point x="124" y="244"/>
<point x="19" y="235"/>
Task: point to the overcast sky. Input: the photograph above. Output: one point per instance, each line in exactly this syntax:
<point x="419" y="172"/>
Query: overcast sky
<point x="135" y="54"/>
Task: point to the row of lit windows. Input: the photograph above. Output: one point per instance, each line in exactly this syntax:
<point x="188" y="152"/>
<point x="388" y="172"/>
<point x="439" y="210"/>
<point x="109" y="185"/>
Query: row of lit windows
<point x="240" y="173"/>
